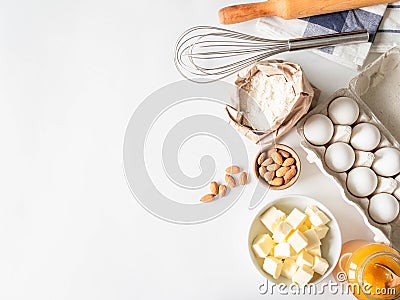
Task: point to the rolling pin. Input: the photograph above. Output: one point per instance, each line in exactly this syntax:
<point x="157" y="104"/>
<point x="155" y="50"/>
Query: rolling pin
<point x="289" y="9"/>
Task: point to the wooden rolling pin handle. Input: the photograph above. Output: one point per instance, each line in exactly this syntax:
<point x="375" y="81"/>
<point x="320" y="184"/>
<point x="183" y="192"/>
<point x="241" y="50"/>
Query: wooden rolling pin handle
<point x="245" y="12"/>
<point x="289" y="9"/>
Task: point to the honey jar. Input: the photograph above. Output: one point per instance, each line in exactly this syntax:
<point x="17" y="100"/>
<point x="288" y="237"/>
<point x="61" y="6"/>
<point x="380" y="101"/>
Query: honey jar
<point x="365" y="268"/>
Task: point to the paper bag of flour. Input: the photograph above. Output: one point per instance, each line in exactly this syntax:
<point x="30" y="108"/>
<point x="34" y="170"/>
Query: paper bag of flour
<point x="271" y="98"/>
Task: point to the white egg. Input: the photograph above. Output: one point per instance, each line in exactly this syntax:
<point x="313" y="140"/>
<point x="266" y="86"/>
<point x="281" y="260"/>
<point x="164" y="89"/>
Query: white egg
<point x="343" y="111"/>
<point x="387" y="161"/>
<point x="318" y="129"/>
<point x="365" y="137"/>
<point x="339" y="157"/>
<point x="362" y="181"/>
<point x="383" y="208"/>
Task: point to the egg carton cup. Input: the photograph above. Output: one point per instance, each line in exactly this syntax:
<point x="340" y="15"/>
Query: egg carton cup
<point x="377" y="92"/>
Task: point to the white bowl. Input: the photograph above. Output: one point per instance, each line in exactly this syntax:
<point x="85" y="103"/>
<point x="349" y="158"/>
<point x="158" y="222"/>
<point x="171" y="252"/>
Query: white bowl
<point x="331" y="244"/>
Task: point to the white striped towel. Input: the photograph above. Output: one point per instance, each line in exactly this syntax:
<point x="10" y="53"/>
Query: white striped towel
<point x="388" y="35"/>
<point x="353" y="56"/>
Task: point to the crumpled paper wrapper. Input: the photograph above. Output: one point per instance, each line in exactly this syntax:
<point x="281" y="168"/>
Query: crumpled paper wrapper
<point x="305" y="97"/>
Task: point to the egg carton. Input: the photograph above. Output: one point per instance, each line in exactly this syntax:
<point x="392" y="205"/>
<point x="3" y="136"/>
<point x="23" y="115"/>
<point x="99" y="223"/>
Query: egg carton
<point x="377" y="92"/>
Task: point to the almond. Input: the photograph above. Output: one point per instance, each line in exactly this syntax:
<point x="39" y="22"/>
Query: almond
<point x="207" y="198"/>
<point x="284" y="153"/>
<point x="261" y="158"/>
<point x="230" y="181"/>
<point x="271" y="151"/>
<point x="243" y="178"/>
<point x="273" y="167"/>
<point x="262" y="170"/>
<point x="290" y="174"/>
<point x="288" y="162"/>
<point x="222" y="190"/>
<point x="282" y="171"/>
<point x="267" y="162"/>
<point x="214" y="187"/>
<point x="268" y="176"/>
<point x="277" y="181"/>
<point x="232" y="170"/>
<point x="278" y="159"/>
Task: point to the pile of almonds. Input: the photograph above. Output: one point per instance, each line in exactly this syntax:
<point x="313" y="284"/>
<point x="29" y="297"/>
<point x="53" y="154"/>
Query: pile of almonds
<point x="221" y="189"/>
<point x="276" y="166"/>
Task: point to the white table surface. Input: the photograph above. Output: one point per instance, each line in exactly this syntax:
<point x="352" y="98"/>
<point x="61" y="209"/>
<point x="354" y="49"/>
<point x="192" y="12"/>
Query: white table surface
<point x="71" y="75"/>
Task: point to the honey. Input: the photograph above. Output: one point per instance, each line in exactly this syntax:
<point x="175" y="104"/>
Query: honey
<point x="366" y="279"/>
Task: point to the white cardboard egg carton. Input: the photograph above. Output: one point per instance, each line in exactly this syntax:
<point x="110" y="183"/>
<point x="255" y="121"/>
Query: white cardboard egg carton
<point x="377" y="91"/>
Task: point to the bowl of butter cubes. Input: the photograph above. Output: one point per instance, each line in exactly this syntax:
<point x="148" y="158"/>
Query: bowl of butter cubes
<point x="295" y="240"/>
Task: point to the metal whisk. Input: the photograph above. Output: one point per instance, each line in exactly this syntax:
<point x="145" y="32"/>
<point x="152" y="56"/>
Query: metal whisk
<point x="206" y="53"/>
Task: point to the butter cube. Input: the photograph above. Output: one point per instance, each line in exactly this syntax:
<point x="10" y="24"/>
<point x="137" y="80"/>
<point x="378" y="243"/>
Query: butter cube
<point x="316" y="216"/>
<point x="272" y="252"/>
<point x="273" y="266"/>
<point x="303" y="275"/>
<point x="262" y="245"/>
<point x="316" y="251"/>
<point x="298" y="241"/>
<point x="283" y="250"/>
<point x="289" y="268"/>
<point x="312" y="238"/>
<point x="320" y="265"/>
<point x="305" y="259"/>
<point x="296" y="218"/>
<point x="321" y="231"/>
<point x="282" y="230"/>
<point x="272" y="217"/>
<point x="303" y="228"/>
<point x="307" y="222"/>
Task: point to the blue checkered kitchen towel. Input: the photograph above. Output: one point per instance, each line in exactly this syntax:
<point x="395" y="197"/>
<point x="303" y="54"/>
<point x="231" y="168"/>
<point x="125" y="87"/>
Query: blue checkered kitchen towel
<point x="370" y="18"/>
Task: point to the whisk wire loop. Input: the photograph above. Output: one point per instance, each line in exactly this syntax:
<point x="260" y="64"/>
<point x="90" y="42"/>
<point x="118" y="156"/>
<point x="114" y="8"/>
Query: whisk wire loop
<point x="207" y="53"/>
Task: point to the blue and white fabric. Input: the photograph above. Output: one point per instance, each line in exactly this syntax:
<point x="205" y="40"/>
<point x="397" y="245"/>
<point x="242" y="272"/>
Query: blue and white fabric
<point x="381" y="21"/>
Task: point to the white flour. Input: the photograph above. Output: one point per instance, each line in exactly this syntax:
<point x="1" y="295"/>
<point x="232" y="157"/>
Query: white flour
<point x="272" y="96"/>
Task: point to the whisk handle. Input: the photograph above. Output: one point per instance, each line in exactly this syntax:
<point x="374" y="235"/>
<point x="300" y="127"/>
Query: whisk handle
<point x="328" y="40"/>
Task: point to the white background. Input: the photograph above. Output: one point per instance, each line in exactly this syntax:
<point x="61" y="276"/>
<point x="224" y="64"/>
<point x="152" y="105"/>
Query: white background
<point x="71" y="75"/>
